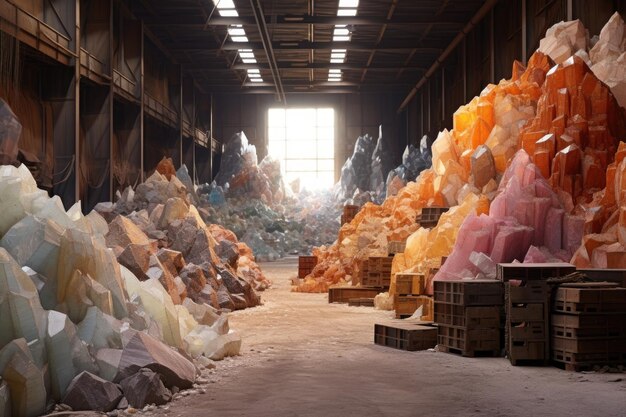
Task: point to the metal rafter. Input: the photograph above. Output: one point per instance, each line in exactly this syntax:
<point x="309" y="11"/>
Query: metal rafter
<point x="392" y="8"/>
<point x="268" y="47"/>
<point x="301" y="19"/>
<point x="304" y="45"/>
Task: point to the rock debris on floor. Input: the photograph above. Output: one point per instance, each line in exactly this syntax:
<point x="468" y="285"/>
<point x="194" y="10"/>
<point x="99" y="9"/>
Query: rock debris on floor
<point x="304" y="357"/>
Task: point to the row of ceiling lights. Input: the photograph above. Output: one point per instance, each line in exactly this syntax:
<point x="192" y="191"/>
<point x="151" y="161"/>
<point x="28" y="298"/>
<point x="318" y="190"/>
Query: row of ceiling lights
<point x="341" y="33"/>
<point x="238" y="34"/>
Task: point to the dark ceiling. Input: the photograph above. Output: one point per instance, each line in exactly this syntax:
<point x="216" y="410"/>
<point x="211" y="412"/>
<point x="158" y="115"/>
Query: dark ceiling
<point x="393" y="42"/>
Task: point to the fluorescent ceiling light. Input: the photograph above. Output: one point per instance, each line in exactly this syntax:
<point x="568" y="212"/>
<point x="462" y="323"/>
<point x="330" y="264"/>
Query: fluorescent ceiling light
<point x="341" y="38"/>
<point x="224" y="4"/>
<point x="334" y="71"/>
<point x="228" y="13"/>
<point x="341" y="31"/>
<point x="349" y="3"/>
<point x="346" y="12"/>
<point x="236" y="32"/>
<point x="254" y="71"/>
<point x="341" y="55"/>
<point x="239" y="38"/>
<point x="256" y="80"/>
<point x="336" y="61"/>
<point x="338" y="50"/>
<point x="248" y="60"/>
<point x="246" y="54"/>
<point x="341" y="26"/>
<point x="334" y="79"/>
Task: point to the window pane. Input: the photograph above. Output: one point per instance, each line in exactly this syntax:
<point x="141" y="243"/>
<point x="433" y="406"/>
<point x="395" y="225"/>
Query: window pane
<point x="277" y="150"/>
<point x="325" y="117"/>
<point x="325" y="165"/>
<point x="276" y="117"/>
<point x="276" y="133"/>
<point x="299" y="133"/>
<point x="325" y="149"/>
<point x="301" y="117"/>
<point x="302" y="149"/>
<point x="326" y="133"/>
<point x="301" y="165"/>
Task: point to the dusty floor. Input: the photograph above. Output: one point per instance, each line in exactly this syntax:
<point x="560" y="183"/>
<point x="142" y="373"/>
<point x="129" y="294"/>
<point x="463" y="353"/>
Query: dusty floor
<point x="304" y="357"/>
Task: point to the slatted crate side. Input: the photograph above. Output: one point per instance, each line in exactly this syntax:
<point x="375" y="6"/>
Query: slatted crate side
<point x="587" y="308"/>
<point x="469" y="292"/>
<point x="592" y="295"/>
<point x="410" y="283"/>
<point x="604" y="345"/>
<point x="589" y="359"/>
<point x="468" y="317"/>
<point x="526" y="350"/>
<point x="588" y="333"/>
<point x="532" y="271"/>
<point x="530" y="331"/>
<point x="409" y="337"/>
<point x="396" y="246"/>
<point x="469" y="342"/>
<point x="531" y="292"/>
<point x="406" y="305"/>
<point x="518" y="313"/>
<point x="344" y="294"/>
<point x="587" y="321"/>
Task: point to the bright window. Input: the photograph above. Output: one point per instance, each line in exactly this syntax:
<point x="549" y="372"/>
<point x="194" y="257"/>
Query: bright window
<point x="304" y="142"/>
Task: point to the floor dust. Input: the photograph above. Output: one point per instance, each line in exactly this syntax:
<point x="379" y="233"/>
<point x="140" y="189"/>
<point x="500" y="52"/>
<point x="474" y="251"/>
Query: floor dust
<point x="304" y="357"/>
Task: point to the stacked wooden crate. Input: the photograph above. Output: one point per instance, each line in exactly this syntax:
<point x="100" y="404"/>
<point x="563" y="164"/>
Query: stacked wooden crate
<point x="378" y="272"/>
<point x="467" y="313"/>
<point x="409" y="296"/>
<point x="430" y="216"/>
<point x="589" y="325"/>
<point x="406" y="335"/>
<point x="349" y="211"/>
<point x="527" y="305"/>
<point x="343" y="295"/>
<point x="306" y="265"/>
<point x="527" y="322"/>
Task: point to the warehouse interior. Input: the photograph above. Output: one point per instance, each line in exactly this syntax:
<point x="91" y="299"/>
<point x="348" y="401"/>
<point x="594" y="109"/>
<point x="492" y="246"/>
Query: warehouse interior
<point x="312" y="207"/>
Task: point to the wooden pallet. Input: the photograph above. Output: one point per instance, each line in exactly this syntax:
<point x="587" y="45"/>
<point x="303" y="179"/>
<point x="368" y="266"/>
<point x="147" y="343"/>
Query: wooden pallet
<point x="469" y="341"/>
<point x="474" y="317"/>
<point x="583" y="362"/>
<point x="406" y="335"/>
<point x="602" y="345"/>
<point x="532" y="271"/>
<point x="492" y="353"/>
<point x="361" y="302"/>
<point x="344" y="294"/>
<point x="469" y="292"/>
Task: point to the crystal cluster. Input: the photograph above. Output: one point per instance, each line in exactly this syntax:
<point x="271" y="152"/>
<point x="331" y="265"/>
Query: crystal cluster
<point x="532" y="171"/>
<point x="77" y="326"/>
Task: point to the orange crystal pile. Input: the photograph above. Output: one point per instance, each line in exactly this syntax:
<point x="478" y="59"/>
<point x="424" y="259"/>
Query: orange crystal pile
<point x="561" y="115"/>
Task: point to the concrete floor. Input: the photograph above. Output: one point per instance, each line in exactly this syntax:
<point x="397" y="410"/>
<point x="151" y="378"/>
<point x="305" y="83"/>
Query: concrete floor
<point x="304" y="357"/>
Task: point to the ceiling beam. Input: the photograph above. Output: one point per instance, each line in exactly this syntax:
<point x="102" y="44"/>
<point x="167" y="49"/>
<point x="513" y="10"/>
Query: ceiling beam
<point x="288" y="65"/>
<point x="482" y="12"/>
<point x="267" y="46"/>
<point x="306" y="45"/>
<point x="189" y="20"/>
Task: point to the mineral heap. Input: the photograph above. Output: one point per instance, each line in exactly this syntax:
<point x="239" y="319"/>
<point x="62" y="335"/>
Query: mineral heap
<point x="157" y="233"/>
<point x="79" y="328"/>
<point x="522" y="172"/>
<point x="253" y="201"/>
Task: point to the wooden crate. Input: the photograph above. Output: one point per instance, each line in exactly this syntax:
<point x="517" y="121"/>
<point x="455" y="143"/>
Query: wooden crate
<point x="344" y="294"/>
<point x="600" y="345"/>
<point x="380" y="264"/>
<point x="469" y="292"/>
<point x="429" y="216"/>
<point x="606" y="275"/>
<point x="467" y="317"/>
<point x="572" y="361"/>
<point x="406" y="305"/>
<point x="522" y="352"/>
<point x="306" y="265"/>
<point x="410" y="283"/>
<point x="532" y="271"/>
<point x="529" y="331"/>
<point x="361" y="302"/>
<point x="529" y="292"/>
<point x="469" y="342"/>
<point x="405" y="335"/>
<point x="526" y="312"/>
